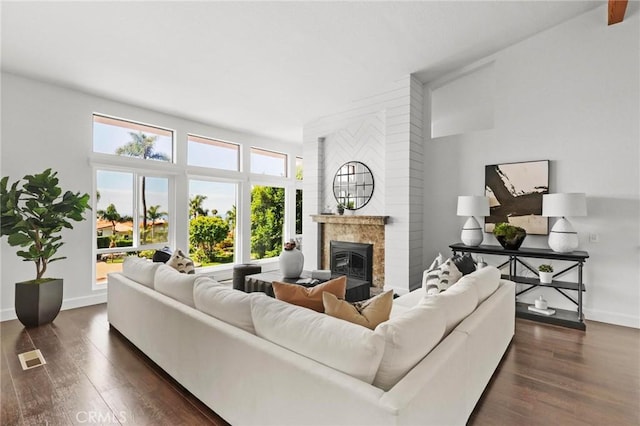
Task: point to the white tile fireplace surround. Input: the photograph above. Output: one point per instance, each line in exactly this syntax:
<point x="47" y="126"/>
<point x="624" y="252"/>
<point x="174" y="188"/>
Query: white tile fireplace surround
<point x="354" y="229"/>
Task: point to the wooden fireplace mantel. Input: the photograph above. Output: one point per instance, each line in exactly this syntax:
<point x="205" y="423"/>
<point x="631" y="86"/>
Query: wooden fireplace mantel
<point x="348" y="219"/>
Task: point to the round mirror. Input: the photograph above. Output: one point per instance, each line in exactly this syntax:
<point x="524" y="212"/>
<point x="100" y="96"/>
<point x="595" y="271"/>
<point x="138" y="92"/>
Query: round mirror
<point x="353" y="185"/>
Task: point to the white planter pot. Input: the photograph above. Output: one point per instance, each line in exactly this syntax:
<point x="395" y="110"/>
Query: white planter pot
<point x="546" y="277"/>
<point x="291" y="263"/>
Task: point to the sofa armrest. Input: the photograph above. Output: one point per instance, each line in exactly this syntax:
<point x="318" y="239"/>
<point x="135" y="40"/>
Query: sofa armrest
<point x="430" y="392"/>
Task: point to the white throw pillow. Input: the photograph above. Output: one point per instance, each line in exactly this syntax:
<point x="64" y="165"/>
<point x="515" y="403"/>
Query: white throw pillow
<point x="224" y="303"/>
<point x="181" y="263"/>
<point x="456" y="303"/>
<point x="410" y="299"/>
<point x="140" y="270"/>
<point x="439" y="260"/>
<point x="486" y="281"/>
<point x="341" y="345"/>
<point x="408" y="338"/>
<point x="444" y="276"/>
<point x="172" y="283"/>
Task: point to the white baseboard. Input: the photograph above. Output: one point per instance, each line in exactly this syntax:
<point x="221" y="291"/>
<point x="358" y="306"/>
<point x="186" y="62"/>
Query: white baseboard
<point x="71" y="303"/>
<point x="612" y="318"/>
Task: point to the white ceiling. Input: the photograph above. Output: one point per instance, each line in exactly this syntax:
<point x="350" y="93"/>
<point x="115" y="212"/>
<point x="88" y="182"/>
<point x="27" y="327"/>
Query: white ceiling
<point x="261" y="67"/>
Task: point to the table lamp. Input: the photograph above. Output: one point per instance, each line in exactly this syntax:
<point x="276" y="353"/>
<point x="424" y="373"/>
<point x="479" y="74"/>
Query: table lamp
<point x="472" y="205"/>
<point x="563" y="238"/>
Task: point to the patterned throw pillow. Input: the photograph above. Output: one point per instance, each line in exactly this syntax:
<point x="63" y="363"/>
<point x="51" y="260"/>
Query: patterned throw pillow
<point x="181" y="263"/>
<point x="368" y="313"/>
<point x="439" y="260"/>
<point x="441" y="278"/>
<point x="465" y="263"/>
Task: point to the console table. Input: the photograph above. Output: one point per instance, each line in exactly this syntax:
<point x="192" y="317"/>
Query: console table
<point x="577" y="259"/>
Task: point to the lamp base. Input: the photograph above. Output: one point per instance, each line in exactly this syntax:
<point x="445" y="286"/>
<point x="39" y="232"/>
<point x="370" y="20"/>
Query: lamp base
<point x="471" y="233"/>
<point x="563" y="238"/>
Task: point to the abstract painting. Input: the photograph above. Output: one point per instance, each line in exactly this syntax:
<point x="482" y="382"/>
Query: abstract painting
<point x="515" y="195"/>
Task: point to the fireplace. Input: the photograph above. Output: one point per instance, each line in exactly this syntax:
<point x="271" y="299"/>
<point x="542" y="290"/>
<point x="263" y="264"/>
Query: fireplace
<point x="354" y="260"/>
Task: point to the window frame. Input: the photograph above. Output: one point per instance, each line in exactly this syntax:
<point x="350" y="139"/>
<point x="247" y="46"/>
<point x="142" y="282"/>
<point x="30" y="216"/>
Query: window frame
<point x="214" y="141"/>
<point x="269" y="153"/>
<point x="179" y="172"/>
<point x="136" y="246"/>
<point x="133" y="124"/>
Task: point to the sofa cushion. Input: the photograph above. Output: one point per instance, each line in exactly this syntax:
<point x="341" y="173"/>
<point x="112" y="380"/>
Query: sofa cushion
<point x="456" y="303"/>
<point x="408" y="337"/>
<point x="172" y="283"/>
<point x="310" y="297"/>
<point x="410" y="299"/>
<point x="486" y="281"/>
<point x="181" y="263"/>
<point x="338" y="344"/>
<point x="139" y="270"/>
<point x="397" y="310"/>
<point x="368" y="313"/>
<point x="441" y="278"/>
<point x="226" y="304"/>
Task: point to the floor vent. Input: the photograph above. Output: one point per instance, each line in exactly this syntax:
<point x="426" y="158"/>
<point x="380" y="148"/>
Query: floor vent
<point x="31" y="359"/>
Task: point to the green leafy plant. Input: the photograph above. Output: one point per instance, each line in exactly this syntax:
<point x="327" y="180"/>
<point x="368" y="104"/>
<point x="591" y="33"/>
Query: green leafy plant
<point x="34" y="214"/>
<point x="545" y="268"/>
<point x="508" y="231"/>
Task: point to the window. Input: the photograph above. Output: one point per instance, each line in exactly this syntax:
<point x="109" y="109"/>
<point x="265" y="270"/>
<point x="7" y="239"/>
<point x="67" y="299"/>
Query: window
<point x="129" y="139"/>
<point x="132" y="217"/>
<point x="212" y="222"/>
<point x="267" y="221"/>
<point x="268" y="162"/>
<point x="299" y="169"/>
<point x="206" y="152"/>
<point x="298" y="211"/>
<point x="138" y="178"/>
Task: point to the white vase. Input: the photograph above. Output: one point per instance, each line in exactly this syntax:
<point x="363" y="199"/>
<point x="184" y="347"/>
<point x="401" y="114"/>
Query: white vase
<point x="291" y="263"/>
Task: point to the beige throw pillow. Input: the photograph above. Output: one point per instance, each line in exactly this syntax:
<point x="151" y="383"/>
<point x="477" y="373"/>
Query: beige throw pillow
<point x="368" y="313"/>
<point x="310" y="297"/>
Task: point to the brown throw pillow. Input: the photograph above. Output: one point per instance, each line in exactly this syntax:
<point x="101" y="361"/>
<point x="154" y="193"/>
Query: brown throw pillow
<point x="310" y="297"/>
<point x="368" y="313"/>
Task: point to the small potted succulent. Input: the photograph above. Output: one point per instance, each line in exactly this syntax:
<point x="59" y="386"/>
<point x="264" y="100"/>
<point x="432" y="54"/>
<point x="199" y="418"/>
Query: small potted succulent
<point x="546" y="273"/>
<point x="340" y="208"/>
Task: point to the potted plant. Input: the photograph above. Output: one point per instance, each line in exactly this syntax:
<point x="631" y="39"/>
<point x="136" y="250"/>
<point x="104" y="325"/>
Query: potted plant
<point x="340" y="208"/>
<point x="32" y="217"/>
<point x="546" y="273"/>
<point x="509" y="236"/>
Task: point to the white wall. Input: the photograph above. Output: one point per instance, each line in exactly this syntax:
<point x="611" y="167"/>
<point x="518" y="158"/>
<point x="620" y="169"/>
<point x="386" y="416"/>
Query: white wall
<point x="570" y="95"/>
<point x="399" y="106"/>
<point x="361" y="141"/>
<point x="49" y="126"/>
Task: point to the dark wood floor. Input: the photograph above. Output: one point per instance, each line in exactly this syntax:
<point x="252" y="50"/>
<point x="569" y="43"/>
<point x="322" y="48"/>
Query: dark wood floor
<point x="550" y="375"/>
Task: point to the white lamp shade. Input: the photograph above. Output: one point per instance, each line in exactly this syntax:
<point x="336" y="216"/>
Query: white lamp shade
<point x="562" y="205"/>
<point x="473" y="205"/>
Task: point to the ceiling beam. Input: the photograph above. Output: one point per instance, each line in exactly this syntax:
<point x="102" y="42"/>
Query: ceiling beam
<point x="617" y="9"/>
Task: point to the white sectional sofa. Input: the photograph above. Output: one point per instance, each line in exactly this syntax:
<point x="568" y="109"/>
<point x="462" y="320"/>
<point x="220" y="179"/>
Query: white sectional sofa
<point x="255" y="360"/>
